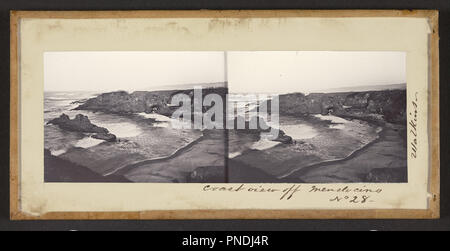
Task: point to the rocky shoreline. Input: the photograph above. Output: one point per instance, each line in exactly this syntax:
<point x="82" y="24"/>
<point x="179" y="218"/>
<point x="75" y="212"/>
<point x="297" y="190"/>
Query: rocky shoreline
<point x="81" y="123"/>
<point x="159" y="102"/>
<point x="203" y="159"/>
<point x="387" y="106"/>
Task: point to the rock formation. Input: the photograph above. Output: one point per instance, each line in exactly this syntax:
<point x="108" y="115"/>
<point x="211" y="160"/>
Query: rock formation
<point x="105" y="136"/>
<point x="261" y="126"/>
<point x="390" y="104"/>
<point x="121" y="102"/>
<point x="82" y="123"/>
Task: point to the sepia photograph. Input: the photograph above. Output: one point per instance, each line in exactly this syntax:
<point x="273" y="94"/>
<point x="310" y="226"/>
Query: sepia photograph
<point x="342" y="117"/>
<point x="225" y="116"/>
<point x="108" y="116"/>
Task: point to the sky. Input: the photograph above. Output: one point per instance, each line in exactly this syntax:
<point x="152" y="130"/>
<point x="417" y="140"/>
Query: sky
<point x="129" y="71"/>
<point x="246" y="72"/>
<point x="309" y="71"/>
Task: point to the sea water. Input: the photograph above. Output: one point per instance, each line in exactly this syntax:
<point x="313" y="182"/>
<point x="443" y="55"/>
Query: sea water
<point x="59" y="141"/>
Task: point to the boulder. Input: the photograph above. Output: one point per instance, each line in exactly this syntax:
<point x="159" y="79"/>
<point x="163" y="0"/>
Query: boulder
<point x="81" y="123"/>
<point x="283" y="138"/>
<point x="105" y="136"/>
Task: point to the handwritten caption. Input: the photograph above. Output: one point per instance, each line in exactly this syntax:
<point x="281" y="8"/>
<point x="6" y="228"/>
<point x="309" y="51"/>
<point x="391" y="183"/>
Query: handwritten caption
<point x="344" y="194"/>
<point x="413" y="125"/>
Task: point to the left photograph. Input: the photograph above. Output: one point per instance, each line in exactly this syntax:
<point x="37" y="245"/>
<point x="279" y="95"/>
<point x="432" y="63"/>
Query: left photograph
<point x="109" y="117"/>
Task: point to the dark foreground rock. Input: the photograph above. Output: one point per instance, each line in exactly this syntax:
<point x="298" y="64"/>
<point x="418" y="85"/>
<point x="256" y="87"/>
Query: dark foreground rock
<point x="383" y="175"/>
<point x="283" y="138"/>
<point x="209" y="174"/>
<point x="105" y="136"/>
<point x="236" y="172"/>
<point x="60" y="170"/>
<point x="82" y="123"/>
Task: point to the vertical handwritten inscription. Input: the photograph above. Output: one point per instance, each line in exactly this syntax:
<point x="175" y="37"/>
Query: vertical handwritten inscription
<point x="413" y="124"/>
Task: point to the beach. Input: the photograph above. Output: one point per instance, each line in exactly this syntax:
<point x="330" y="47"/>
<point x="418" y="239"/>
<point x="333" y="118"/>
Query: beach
<point x="140" y="136"/>
<point x="320" y="141"/>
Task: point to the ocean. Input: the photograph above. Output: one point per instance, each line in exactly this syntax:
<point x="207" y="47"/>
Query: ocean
<point x="59" y="141"/>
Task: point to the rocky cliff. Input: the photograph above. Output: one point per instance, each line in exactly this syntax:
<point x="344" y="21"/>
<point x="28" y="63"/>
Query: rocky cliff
<point x="121" y="102"/>
<point x="389" y="105"/>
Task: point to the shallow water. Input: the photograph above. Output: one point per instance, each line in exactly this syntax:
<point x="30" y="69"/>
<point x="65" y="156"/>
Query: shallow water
<point x="296" y="128"/>
<point x="122" y="129"/>
<point x="337" y="126"/>
<point x="87" y="142"/>
<point x="166" y="122"/>
<point x="300" y="131"/>
<point x="142" y="133"/>
<point x="58" y="152"/>
<point x="233" y="154"/>
<point x="264" y="144"/>
<point x="333" y="119"/>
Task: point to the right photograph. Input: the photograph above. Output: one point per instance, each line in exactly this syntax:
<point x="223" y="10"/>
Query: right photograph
<point x="316" y="117"/>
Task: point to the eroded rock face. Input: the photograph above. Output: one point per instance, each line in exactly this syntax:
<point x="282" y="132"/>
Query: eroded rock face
<point x="261" y="126"/>
<point x="105" y="136"/>
<point x="121" y="102"/>
<point x="81" y="123"/>
<point x="391" y="104"/>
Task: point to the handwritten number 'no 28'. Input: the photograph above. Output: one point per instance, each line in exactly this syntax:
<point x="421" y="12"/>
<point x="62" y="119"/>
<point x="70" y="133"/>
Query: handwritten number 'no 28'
<point x="352" y="199"/>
